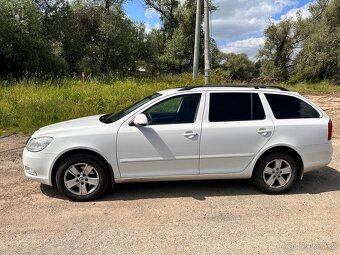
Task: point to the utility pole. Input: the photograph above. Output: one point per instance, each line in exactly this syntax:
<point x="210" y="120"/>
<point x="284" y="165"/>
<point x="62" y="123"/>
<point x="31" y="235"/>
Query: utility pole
<point x="197" y="40"/>
<point x="206" y="43"/>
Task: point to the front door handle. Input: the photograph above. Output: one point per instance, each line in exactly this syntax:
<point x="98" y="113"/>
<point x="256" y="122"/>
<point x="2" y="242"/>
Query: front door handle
<point x="190" y="135"/>
<point x="264" y="131"/>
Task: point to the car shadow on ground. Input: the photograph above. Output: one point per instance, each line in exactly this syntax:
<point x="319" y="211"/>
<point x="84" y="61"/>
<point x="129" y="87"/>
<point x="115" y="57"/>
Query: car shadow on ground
<point x="324" y="180"/>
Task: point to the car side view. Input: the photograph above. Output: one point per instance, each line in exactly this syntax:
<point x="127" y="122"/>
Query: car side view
<point x="265" y="133"/>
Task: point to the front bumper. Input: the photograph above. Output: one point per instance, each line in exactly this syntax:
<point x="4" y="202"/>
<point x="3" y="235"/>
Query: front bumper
<point x="38" y="166"/>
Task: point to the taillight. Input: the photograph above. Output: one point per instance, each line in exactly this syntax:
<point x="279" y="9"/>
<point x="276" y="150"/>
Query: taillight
<point x="330" y="129"/>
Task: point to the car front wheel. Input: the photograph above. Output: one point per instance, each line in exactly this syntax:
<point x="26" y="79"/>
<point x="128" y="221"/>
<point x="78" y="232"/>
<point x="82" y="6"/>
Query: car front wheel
<point x="82" y="177"/>
<point x="275" y="173"/>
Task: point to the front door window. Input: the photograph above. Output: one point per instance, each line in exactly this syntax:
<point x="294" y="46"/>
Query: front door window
<point x="174" y="110"/>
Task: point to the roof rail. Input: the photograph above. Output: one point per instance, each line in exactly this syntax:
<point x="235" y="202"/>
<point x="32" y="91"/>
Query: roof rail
<point x="189" y="88"/>
<point x="259" y="86"/>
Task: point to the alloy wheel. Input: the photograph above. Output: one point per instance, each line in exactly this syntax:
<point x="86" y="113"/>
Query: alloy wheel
<point x="81" y="179"/>
<point x="277" y="173"/>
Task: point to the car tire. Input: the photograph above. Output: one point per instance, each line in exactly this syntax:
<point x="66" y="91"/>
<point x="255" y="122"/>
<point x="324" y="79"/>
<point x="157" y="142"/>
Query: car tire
<point x="82" y="177"/>
<point x="275" y="173"/>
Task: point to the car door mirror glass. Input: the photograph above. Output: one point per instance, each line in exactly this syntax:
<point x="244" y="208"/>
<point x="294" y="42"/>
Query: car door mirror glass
<point x="140" y="120"/>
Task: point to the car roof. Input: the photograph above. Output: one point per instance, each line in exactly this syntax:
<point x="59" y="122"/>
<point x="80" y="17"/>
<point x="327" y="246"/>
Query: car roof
<point x="252" y="86"/>
<point x="232" y="87"/>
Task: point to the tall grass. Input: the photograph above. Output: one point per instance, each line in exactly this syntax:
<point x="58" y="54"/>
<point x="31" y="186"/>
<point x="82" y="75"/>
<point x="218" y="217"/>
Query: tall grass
<point x="320" y="87"/>
<point x="30" y="104"/>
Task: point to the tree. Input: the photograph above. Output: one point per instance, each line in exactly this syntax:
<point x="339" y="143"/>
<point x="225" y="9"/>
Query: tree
<point x="55" y="37"/>
<point x="109" y="3"/>
<point x="277" y="52"/>
<point x="104" y="41"/>
<point x="24" y="49"/>
<point x="237" y="66"/>
<point x="167" y="10"/>
<point x="305" y="49"/>
<point x="319" y="57"/>
<point x="178" y="55"/>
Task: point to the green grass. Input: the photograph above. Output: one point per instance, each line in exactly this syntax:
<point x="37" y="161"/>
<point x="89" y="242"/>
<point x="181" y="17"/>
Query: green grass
<point x="30" y="104"/>
<point x="321" y="87"/>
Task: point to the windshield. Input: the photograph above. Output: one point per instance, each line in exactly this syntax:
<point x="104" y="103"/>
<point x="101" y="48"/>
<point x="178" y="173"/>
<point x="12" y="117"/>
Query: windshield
<point x="110" y="118"/>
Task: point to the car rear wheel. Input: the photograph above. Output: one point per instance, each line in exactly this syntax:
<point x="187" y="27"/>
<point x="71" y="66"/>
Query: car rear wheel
<point x="82" y="177"/>
<point x="275" y="173"/>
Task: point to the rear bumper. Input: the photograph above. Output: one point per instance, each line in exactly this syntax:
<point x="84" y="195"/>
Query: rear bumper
<point x="38" y="166"/>
<point x="316" y="156"/>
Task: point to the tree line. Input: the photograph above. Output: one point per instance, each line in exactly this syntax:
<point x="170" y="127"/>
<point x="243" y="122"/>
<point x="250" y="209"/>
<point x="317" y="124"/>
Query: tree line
<point x="61" y="37"/>
<point x="304" y="49"/>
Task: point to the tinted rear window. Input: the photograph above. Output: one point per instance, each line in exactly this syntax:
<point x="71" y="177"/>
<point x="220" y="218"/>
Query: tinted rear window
<point x="235" y="107"/>
<point x="288" y="107"/>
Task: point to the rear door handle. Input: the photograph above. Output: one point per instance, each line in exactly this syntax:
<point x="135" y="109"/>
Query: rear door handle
<point x="190" y="134"/>
<point x="264" y="131"/>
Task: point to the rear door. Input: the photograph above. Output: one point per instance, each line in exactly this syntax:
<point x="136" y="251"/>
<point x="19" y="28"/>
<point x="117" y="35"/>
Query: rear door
<point x="235" y="127"/>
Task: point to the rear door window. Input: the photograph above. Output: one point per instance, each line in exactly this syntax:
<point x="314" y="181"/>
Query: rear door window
<point x="289" y="107"/>
<point x="235" y="107"/>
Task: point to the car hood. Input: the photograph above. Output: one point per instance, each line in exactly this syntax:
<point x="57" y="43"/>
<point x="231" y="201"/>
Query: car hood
<point x="71" y="125"/>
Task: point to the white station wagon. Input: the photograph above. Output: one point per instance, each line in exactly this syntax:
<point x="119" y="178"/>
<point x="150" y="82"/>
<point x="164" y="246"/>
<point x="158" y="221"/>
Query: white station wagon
<point x="265" y="133"/>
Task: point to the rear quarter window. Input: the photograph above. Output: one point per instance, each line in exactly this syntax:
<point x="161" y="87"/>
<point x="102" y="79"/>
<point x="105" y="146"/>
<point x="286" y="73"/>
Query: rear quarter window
<point x="289" y="107"/>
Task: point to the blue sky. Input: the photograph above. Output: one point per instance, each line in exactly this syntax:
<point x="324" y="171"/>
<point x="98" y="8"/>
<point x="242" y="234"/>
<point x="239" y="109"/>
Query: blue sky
<point x="237" y="26"/>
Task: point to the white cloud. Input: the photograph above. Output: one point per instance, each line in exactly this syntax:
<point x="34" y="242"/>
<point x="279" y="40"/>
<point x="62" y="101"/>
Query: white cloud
<point x="249" y="46"/>
<point x="151" y="13"/>
<point x="304" y="12"/>
<point x="239" y="24"/>
<point x="245" y="17"/>
<point x="150" y="26"/>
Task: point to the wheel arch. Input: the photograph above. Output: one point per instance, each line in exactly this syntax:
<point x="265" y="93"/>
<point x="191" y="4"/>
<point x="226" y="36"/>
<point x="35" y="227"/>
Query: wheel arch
<point x="283" y="148"/>
<point x="72" y="152"/>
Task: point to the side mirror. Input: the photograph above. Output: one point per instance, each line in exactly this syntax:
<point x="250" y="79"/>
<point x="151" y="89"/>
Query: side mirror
<point x="140" y="120"/>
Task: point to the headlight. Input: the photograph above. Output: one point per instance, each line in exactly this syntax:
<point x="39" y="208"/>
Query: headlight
<point x="38" y="144"/>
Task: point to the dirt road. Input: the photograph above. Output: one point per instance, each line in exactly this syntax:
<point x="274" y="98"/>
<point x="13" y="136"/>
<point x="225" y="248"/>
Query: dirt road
<point x="198" y="217"/>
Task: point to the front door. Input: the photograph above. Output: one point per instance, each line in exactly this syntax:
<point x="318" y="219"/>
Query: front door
<point x="168" y="145"/>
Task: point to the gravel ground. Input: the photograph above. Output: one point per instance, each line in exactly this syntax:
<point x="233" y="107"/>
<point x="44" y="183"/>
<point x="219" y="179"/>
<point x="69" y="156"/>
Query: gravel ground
<point x="192" y="217"/>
